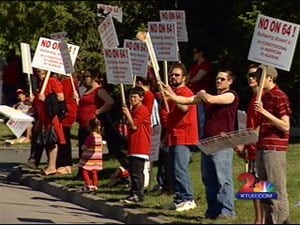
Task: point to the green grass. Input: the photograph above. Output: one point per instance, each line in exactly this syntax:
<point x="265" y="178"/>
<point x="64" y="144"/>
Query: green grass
<point x="154" y="204"/>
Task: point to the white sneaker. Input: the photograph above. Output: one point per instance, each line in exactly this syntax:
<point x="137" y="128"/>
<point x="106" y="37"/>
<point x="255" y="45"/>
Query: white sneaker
<point x="188" y="205"/>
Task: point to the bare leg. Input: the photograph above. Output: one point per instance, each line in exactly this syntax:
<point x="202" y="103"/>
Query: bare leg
<point x="51" y="169"/>
<point x="258" y="212"/>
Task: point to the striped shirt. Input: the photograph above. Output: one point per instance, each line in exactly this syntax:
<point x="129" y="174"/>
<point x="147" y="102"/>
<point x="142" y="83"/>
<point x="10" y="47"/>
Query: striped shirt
<point x="91" y="158"/>
<point x="271" y="138"/>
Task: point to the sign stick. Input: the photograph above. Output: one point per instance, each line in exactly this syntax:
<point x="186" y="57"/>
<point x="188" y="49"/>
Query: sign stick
<point x="45" y="82"/>
<point x="145" y="37"/>
<point x="261" y="84"/>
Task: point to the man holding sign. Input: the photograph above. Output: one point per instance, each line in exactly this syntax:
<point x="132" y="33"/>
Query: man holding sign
<point x="216" y="167"/>
<point x="272" y="146"/>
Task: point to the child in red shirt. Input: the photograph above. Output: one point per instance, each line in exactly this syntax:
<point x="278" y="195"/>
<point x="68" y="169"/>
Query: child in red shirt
<point x="139" y="142"/>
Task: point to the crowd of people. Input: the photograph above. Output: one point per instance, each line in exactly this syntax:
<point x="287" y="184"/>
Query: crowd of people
<point x="196" y="110"/>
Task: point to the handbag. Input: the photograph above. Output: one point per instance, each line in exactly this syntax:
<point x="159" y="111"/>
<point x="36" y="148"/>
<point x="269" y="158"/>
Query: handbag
<point x="47" y="138"/>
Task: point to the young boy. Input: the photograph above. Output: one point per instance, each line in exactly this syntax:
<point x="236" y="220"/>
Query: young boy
<point x="139" y="135"/>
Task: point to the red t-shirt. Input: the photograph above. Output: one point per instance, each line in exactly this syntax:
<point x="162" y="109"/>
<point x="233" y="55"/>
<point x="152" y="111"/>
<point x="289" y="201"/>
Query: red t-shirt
<point x="139" y="140"/>
<point x="221" y="118"/>
<point x="53" y="86"/>
<point x="182" y="126"/>
<point x="149" y="100"/>
<point x="86" y="108"/>
<point x="206" y="82"/>
<point x="70" y="102"/>
<point x="252" y="122"/>
<point x="271" y="138"/>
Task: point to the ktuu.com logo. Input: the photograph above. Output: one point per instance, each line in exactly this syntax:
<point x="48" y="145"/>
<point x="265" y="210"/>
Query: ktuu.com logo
<point x="255" y="190"/>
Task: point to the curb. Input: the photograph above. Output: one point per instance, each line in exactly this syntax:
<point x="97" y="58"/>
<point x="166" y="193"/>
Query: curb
<point x="112" y="210"/>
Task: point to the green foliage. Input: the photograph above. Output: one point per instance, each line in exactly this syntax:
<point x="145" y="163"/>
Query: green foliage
<point x="224" y="27"/>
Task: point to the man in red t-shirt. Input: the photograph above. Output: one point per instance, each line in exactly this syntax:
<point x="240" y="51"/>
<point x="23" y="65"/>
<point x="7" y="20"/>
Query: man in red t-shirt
<point x="181" y="136"/>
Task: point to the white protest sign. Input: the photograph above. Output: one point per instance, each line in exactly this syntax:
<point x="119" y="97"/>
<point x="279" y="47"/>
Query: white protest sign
<point x="177" y="16"/>
<point x="139" y="56"/>
<point x="48" y="56"/>
<point x="228" y="140"/>
<point x="115" y="11"/>
<point x="118" y="66"/>
<point x="273" y="42"/>
<point x="18" y="121"/>
<point x="59" y="35"/>
<point x="155" y="143"/>
<point x="108" y="33"/>
<point x="164" y="40"/>
<point x="26" y="58"/>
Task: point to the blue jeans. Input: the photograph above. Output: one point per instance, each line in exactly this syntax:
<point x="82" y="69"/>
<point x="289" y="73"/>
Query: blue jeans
<point x="216" y="172"/>
<point x="179" y="158"/>
<point x="201" y="120"/>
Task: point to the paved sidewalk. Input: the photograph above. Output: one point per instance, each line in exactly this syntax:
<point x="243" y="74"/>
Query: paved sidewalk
<point x="93" y="203"/>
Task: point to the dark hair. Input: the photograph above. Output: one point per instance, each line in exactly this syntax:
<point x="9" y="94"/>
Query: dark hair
<point x="95" y="74"/>
<point x="143" y="80"/>
<point x="231" y="75"/>
<point x="199" y="49"/>
<point x="137" y="90"/>
<point x="94" y="124"/>
<point x="180" y="66"/>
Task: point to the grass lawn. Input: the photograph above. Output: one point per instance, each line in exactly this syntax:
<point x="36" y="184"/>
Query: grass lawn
<point x="155" y="204"/>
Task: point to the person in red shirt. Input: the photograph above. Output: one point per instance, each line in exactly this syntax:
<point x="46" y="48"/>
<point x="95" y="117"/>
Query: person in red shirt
<point x="181" y="136"/>
<point x="200" y="78"/>
<point x="272" y="146"/>
<point x="64" y="154"/>
<point x="45" y="121"/>
<point x="248" y="152"/>
<point x="139" y="142"/>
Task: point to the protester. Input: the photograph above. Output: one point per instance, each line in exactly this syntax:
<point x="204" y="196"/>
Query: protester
<point x="272" y="146"/>
<point x="24" y="105"/>
<point x="139" y="142"/>
<point x="64" y="160"/>
<point x="91" y="157"/>
<point x="48" y="121"/>
<point x="181" y="136"/>
<point x="116" y="142"/>
<point x="200" y="78"/>
<point x="248" y="152"/>
<point x="151" y="103"/>
<point x="86" y="109"/>
<point x="216" y="168"/>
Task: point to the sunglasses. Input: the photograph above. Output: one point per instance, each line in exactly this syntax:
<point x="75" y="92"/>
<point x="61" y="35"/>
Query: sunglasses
<point x="175" y="74"/>
<point x="220" y="78"/>
<point x="252" y="75"/>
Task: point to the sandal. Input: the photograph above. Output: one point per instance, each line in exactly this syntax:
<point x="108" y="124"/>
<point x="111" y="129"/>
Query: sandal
<point x="49" y="173"/>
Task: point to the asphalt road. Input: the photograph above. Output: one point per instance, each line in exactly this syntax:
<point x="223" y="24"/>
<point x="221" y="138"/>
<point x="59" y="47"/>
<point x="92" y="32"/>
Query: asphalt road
<point x="22" y="205"/>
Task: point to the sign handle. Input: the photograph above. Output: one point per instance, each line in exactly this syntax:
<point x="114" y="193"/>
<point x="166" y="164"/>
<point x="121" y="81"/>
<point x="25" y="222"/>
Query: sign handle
<point x="145" y="37"/>
<point x="45" y="82"/>
<point x="261" y="84"/>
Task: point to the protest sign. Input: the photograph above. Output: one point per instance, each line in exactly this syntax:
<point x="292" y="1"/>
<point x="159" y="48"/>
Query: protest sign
<point x="177" y="16"/>
<point x="155" y="143"/>
<point x="114" y="11"/>
<point x="139" y="56"/>
<point x="164" y="40"/>
<point x="18" y="121"/>
<point x="118" y="66"/>
<point x="273" y="42"/>
<point x="228" y="140"/>
<point x="108" y="33"/>
<point x="48" y="56"/>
